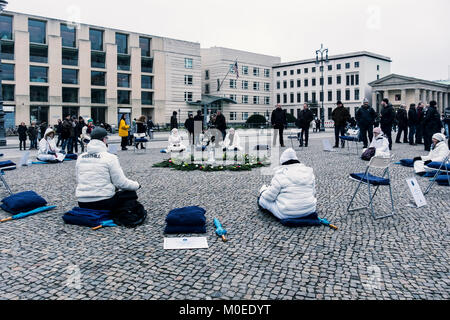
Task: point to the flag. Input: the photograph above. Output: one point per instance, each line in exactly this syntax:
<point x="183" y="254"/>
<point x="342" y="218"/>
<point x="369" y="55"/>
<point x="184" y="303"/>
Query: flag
<point x="236" y="69"/>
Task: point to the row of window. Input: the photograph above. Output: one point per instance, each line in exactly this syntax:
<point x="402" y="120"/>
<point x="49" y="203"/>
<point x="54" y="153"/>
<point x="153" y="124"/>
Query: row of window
<point x="313" y="69"/>
<point x="351" y="80"/>
<point x="306" y="97"/>
<point x="38" y="34"/>
<point x="245" y="72"/>
<point x="256" y="85"/>
<point x="71" y="95"/>
<point x="256" y="99"/>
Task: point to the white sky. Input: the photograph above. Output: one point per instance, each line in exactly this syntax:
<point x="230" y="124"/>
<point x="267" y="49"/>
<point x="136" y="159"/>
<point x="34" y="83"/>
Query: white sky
<point x="414" y="33"/>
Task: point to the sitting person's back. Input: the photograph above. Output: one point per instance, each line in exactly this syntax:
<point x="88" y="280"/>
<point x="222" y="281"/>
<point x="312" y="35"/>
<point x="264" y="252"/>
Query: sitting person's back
<point x="292" y="191"/>
<point x="437" y="154"/>
<point x="99" y="175"/>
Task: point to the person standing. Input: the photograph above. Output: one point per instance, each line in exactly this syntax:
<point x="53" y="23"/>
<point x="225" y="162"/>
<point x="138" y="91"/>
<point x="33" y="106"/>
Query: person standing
<point x="304" y="122"/>
<point x="447" y="124"/>
<point x="58" y="130"/>
<point x="279" y="121"/>
<point x="33" y="135"/>
<point x="365" y="118"/>
<point x="402" y="120"/>
<point x="150" y="126"/>
<point x="189" y="125"/>
<point x="42" y="128"/>
<point x="174" y="121"/>
<point x="387" y="120"/>
<point x="198" y="123"/>
<point x="66" y="128"/>
<point x="318" y="123"/>
<point x="431" y="124"/>
<point x="221" y="124"/>
<point x="141" y="130"/>
<point x="22" y="130"/>
<point x="412" y="123"/>
<point x="73" y="135"/>
<point x="123" y="132"/>
<point x="78" y="133"/>
<point x="340" y="117"/>
<point x="419" y="128"/>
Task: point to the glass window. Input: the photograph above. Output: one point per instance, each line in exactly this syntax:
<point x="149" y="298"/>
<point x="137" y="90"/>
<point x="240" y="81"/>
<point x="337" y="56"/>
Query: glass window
<point x="338" y="66"/>
<point x="8" y="72"/>
<point x="278" y="98"/>
<point x="6" y="27"/>
<point x="357" y="64"/>
<point x="347" y="65"/>
<point x="330" y="67"/>
<point x="267" y="73"/>
<point x="147" y="82"/>
<point x="299" y="83"/>
<point x="305" y="70"/>
<point x="38" y="114"/>
<point x="330" y="80"/>
<point x="123" y="63"/>
<point x="123" y="97"/>
<point x="188" y="96"/>
<point x="70" y="76"/>
<point x="245" y="99"/>
<point x="313" y="97"/>
<point x="299" y="97"/>
<point x="284" y="73"/>
<point x="38" y="54"/>
<point x="356" y="94"/>
<point x="147" y="65"/>
<point x="69" y="36"/>
<point x="306" y="97"/>
<point x="207" y="75"/>
<point x="267" y="100"/>
<point x="285" y="84"/>
<point x="338" y="95"/>
<point x="147" y="98"/>
<point x="313" y="82"/>
<point x="188" y="80"/>
<point x="330" y="95"/>
<point x="70" y="111"/>
<point x="347" y="94"/>
<point x="306" y="82"/>
<point x="256" y="72"/>
<point x="98" y="60"/>
<point x="245" y="70"/>
<point x="292" y="83"/>
<point x="98" y="78"/>
<point x="338" y="80"/>
<point x="267" y="86"/>
<point x="299" y="71"/>
<point x="244" y="116"/>
<point x="70" y="95"/>
<point x="188" y="63"/>
<point x="38" y="74"/>
<point x="233" y="116"/>
<point x="278" y="73"/>
<point x="313" y="69"/>
<point x="123" y="80"/>
<point x="321" y="81"/>
<point x="69" y="57"/>
<point x="98" y="115"/>
<point x="233" y="84"/>
<point x="357" y="79"/>
<point x="37" y="30"/>
<point x="8" y="92"/>
<point x="122" y="43"/>
<point x="38" y="94"/>
<point x="292" y="72"/>
<point x="278" y="85"/>
<point x="98" y="96"/>
<point x="255" y="100"/>
<point x="7" y="50"/>
<point x="256" y="86"/>
<point x="245" y="85"/>
<point x="285" y="98"/>
<point x="144" y="44"/>
<point x="207" y="91"/>
<point x="96" y="38"/>
<point x="292" y="96"/>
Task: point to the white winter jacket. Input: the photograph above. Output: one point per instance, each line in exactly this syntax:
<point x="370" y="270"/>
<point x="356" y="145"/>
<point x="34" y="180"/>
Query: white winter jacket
<point x="48" y="151"/>
<point x="292" y="192"/>
<point x="99" y="174"/>
<point x="438" y="154"/>
<point x="381" y="144"/>
<point x="236" y="142"/>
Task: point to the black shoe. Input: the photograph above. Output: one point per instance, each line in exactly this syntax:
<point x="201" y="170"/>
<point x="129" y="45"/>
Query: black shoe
<point x="397" y="142"/>
<point x="335" y="147"/>
<point x="124" y="149"/>
<point x="143" y="148"/>
<point x="301" y="146"/>
<point x="283" y="146"/>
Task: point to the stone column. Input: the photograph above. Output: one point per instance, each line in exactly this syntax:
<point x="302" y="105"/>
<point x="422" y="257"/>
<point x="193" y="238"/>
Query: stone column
<point x="403" y="100"/>
<point x="428" y="96"/>
<point x="445" y="100"/>
<point x="417" y="95"/>
<point x="374" y="99"/>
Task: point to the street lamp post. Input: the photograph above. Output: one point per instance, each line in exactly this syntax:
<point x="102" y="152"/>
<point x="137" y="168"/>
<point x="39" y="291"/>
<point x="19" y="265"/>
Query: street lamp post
<point x="3" y="4"/>
<point x="321" y="61"/>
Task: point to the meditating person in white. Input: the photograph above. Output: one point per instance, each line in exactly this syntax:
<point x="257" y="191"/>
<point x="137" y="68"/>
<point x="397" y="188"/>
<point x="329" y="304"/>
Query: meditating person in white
<point x="48" y="151"/>
<point x="439" y="151"/>
<point x="175" y="144"/>
<point x="380" y="143"/>
<point x="232" y="141"/>
<point x="292" y="193"/>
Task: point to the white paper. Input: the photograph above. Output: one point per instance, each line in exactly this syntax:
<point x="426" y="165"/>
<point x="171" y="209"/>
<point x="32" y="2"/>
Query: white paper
<point x="327" y="145"/>
<point x="113" y="148"/>
<point x="416" y="192"/>
<point x="185" y="243"/>
<point x="24" y="160"/>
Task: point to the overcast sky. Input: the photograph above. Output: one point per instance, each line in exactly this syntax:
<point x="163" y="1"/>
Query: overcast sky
<point x="414" y="33"/>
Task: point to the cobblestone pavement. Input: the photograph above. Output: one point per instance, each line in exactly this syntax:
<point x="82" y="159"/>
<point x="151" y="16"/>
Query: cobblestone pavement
<point x="405" y="257"/>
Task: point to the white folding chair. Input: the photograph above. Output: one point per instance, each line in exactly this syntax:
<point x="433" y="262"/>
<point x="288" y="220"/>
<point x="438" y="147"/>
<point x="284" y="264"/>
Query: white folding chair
<point x="294" y="135"/>
<point x="353" y="138"/>
<point x="443" y="168"/>
<point x="377" y="163"/>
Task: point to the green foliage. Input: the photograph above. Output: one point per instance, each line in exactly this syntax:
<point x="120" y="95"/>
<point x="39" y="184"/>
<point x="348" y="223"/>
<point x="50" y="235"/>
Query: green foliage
<point x="290" y="118"/>
<point x="256" y="119"/>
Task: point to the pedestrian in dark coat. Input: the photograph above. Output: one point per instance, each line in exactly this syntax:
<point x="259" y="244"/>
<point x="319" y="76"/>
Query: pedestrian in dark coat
<point x="419" y="127"/>
<point x="150" y="126"/>
<point x="189" y="125"/>
<point x="279" y="121"/>
<point x="43" y="127"/>
<point x="387" y="120"/>
<point x="431" y="124"/>
<point x="304" y="122"/>
<point x="365" y="119"/>
<point x="412" y="123"/>
<point x="66" y="134"/>
<point x="221" y="124"/>
<point x="402" y="119"/>
<point x="141" y="129"/>
<point x="22" y="130"/>
<point x="33" y="135"/>
<point x="58" y="130"/>
<point x="198" y="126"/>
<point x="174" y="121"/>
<point x="340" y="117"/>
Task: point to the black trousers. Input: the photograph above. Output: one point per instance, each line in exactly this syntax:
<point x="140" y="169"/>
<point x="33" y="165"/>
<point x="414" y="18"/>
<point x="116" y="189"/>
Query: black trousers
<point x="363" y="132"/>
<point x="419" y="133"/>
<point x="338" y="132"/>
<point x="111" y="203"/>
<point x="387" y="130"/>
<point x="281" y="133"/>
<point x="401" y="130"/>
<point x="304" y="136"/>
<point x="24" y="144"/>
<point x="124" y="142"/>
<point x="427" y="140"/>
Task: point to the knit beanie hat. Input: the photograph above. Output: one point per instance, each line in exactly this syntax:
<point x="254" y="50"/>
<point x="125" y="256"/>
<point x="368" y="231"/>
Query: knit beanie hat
<point x="288" y="155"/>
<point x="98" y="134"/>
<point x="439" y="137"/>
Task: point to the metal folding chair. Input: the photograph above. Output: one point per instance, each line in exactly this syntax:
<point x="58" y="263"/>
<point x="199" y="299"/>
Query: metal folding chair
<point x="379" y="163"/>
<point x="2" y="173"/>
<point x="442" y="169"/>
<point x="293" y="135"/>
<point x="138" y="140"/>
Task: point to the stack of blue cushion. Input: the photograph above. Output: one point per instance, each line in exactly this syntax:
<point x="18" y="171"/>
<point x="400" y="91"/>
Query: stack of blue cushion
<point x="307" y="221"/>
<point x="186" y="220"/>
<point x="438" y="165"/>
<point x="407" y="163"/>
<point x="7" y="165"/>
<point x="23" y="202"/>
<point x="442" y="180"/>
<point x="87" y="217"/>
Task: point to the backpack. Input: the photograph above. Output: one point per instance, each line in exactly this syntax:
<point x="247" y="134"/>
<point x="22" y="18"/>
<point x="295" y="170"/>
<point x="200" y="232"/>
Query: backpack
<point x="130" y="213"/>
<point x="368" y="154"/>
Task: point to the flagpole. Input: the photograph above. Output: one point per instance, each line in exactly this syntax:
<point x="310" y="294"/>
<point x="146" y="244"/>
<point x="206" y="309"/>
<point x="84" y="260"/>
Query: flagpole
<point x="229" y="70"/>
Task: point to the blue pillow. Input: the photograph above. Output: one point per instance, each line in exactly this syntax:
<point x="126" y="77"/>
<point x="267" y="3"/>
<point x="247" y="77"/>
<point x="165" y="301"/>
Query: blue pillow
<point x="7" y="165"/>
<point x="188" y="216"/>
<point x="442" y="180"/>
<point x="310" y="220"/>
<point x="407" y="163"/>
<point x="23" y="202"/>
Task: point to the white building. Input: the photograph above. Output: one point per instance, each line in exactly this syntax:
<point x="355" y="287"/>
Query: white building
<point x="346" y="77"/>
<point x="53" y="69"/>
<point x="252" y="91"/>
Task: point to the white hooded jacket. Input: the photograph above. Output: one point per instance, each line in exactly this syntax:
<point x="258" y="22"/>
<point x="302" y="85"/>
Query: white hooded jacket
<point x="99" y="174"/>
<point x="175" y="142"/>
<point x="48" y="151"/>
<point x="438" y="154"/>
<point x="381" y="145"/>
<point x="291" y="193"/>
<point x="236" y="142"/>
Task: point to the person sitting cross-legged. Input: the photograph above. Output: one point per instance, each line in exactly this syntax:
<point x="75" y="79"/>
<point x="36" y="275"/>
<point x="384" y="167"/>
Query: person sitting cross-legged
<point x="380" y="143"/>
<point x="99" y="175"/>
<point x="292" y="191"/>
<point x="437" y="154"/>
<point x="48" y="151"/>
<point x="175" y="142"/>
<point x="232" y="141"/>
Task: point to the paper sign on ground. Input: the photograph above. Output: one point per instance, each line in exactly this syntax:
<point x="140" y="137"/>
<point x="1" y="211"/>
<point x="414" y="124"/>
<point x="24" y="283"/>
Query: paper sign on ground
<point x="416" y="192"/>
<point x="327" y="145"/>
<point x="185" y="243"/>
<point x="113" y="148"/>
